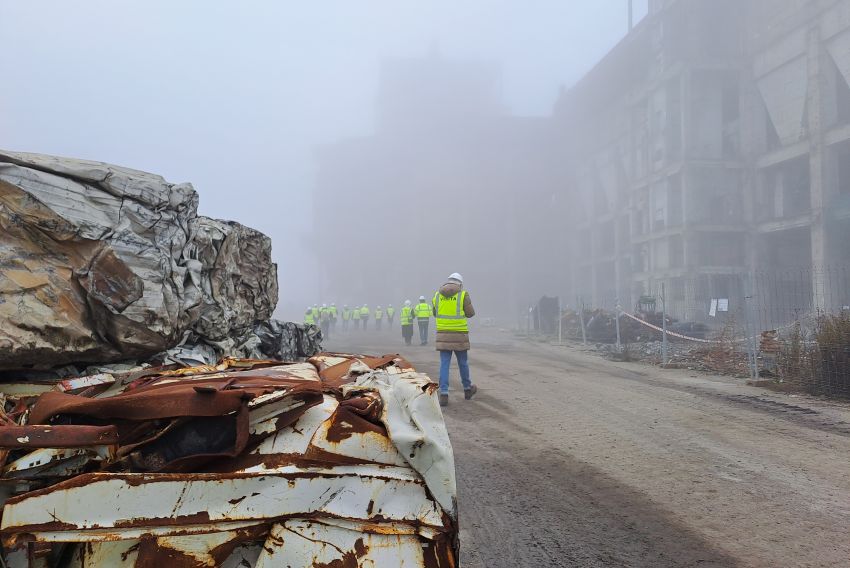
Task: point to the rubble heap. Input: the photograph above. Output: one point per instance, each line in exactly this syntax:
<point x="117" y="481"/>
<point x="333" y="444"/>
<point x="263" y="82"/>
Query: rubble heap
<point x="339" y="461"/>
<point x="102" y="263"/>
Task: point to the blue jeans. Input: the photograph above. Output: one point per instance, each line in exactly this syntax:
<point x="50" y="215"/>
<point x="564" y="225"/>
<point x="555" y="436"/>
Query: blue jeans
<point x="463" y="365"/>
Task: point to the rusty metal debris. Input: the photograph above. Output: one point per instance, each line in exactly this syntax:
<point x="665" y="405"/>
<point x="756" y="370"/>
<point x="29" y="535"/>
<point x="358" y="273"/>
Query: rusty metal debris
<point x="342" y="460"/>
<point x="103" y="264"/>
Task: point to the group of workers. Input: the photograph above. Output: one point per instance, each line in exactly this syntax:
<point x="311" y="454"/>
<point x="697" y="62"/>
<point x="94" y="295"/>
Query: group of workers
<point x="326" y="317"/>
<point x="451" y="307"/>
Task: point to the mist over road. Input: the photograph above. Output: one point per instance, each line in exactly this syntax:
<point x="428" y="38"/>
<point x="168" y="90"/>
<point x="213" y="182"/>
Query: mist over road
<point x="565" y="459"/>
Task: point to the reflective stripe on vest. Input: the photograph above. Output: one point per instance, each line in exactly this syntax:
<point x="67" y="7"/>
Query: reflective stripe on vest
<point x="379" y="314"/>
<point x="355" y="313"/>
<point x="450" y="315"/>
<point x="406" y="315"/>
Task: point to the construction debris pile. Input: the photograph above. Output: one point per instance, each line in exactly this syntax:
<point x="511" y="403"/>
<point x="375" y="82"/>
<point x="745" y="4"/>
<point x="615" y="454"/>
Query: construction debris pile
<point x="339" y="461"/>
<point x="102" y="263"/>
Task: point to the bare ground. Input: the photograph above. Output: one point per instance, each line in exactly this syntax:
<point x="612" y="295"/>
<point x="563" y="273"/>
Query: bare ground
<point x="566" y="459"/>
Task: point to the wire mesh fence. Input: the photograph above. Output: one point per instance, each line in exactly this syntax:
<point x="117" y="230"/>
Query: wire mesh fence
<point x="790" y="325"/>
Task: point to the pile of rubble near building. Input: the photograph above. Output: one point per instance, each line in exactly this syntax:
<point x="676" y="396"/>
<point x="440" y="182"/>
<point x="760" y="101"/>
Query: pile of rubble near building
<point x="154" y="414"/>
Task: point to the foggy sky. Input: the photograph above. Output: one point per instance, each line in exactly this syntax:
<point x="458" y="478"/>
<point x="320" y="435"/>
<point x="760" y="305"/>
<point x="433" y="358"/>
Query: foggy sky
<point x="235" y="96"/>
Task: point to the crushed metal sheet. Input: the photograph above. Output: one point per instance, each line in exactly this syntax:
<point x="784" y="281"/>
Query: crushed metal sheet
<point x="340" y="461"/>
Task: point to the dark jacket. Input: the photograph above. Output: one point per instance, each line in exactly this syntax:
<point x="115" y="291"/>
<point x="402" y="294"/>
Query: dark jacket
<point x="454" y="340"/>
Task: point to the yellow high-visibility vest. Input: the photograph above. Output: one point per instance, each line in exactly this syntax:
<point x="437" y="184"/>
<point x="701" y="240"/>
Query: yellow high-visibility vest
<point x="390" y="312"/>
<point x="355" y="314"/>
<point x="450" y="315"/>
<point x="423" y="310"/>
<point x="364" y="312"/>
<point x="406" y="315"/>
<point x="379" y="314"/>
<point x="308" y="318"/>
<point x="346" y="314"/>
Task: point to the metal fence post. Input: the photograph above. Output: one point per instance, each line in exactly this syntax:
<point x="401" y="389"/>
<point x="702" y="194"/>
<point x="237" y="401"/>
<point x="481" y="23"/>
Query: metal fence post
<point x="752" y="328"/>
<point x="560" y="321"/>
<point x="663" y="325"/>
<point x="617" y="319"/>
<point x="581" y="317"/>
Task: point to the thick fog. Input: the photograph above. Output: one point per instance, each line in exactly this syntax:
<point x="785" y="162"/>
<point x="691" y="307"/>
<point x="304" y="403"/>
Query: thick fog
<point x="250" y="100"/>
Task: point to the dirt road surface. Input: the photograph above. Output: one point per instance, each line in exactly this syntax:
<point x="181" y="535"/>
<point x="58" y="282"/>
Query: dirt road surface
<point x="566" y="459"/>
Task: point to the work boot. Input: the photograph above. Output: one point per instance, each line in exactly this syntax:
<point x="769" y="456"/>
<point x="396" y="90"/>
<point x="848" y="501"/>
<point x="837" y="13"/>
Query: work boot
<point x="470" y="392"/>
<point x="444" y="399"/>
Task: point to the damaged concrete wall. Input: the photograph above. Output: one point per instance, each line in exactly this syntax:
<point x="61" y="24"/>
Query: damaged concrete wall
<point x="101" y="263"/>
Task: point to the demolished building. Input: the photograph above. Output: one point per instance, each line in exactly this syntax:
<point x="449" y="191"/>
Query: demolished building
<point x="709" y="145"/>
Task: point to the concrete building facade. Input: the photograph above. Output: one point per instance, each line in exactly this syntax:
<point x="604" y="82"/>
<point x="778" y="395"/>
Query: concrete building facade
<point x="711" y="142"/>
<point x="449" y="181"/>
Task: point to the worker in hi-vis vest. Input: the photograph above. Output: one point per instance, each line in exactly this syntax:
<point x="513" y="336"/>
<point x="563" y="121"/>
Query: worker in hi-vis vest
<point x="406" y="318"/>
<point x="379" y="318"/>
<point x="365" y="313"/>
<point x="325" y="321"/>
<point x="308" y="317"/>
<point x="422" y="311"/>
<point x="334" y="315"/>
<point x="390" y="315"/>
<point x="355" y="317"/>
<point x="346" y="317"/>
<point x="452" y="308"/>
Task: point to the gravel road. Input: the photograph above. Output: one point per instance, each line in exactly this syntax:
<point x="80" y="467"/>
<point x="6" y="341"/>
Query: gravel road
<point x="566" y="459"/>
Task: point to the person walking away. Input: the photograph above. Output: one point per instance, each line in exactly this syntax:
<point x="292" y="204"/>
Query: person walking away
<point x="355" y="317"/>
<point x="364" y="316"/>
<point x="346" y="317"/>
<point x="325" y="321"/>
<point x="452" y="309"/>
<point x="406" y="319"/>
<point x="334" y="315"/>
<point x="379" y="318"/>
<point x="308" y="317"/>
<point x="422" y="311"/>
<point x="390" y="316"/>
<point x="316" y="313"/>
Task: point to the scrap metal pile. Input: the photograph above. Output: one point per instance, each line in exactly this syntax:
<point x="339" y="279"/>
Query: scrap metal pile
<point x="339" y="461"/>
<point x="102" y="263"/>
<point x="147" y="416"/>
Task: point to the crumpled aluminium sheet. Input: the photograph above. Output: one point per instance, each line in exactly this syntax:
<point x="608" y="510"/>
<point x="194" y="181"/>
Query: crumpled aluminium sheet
<point x="341" y="461"/>
<point x="100" y="263"/>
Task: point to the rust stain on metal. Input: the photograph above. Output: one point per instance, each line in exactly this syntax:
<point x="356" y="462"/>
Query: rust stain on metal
<point x="57" y="436"/>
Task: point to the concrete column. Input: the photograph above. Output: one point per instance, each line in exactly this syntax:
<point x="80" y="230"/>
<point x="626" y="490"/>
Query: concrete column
<point x="817" y="162"/>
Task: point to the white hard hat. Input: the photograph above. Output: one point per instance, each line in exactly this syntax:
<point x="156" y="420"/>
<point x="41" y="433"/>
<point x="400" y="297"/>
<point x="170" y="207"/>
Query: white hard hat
<point x="407" y="302"/>
<point x="389" y="305"/>
<point x="324" y="305"/>
<point x="309" y="308"/>
<point x="456" y="276"/>
<point x="333" y="303"/>
<point x="421" y="298"/>
<point x="379" y="307"/>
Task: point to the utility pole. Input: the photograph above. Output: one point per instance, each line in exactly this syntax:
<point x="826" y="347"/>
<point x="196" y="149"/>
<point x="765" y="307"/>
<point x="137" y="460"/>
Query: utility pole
<point x="631" y="15"/>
